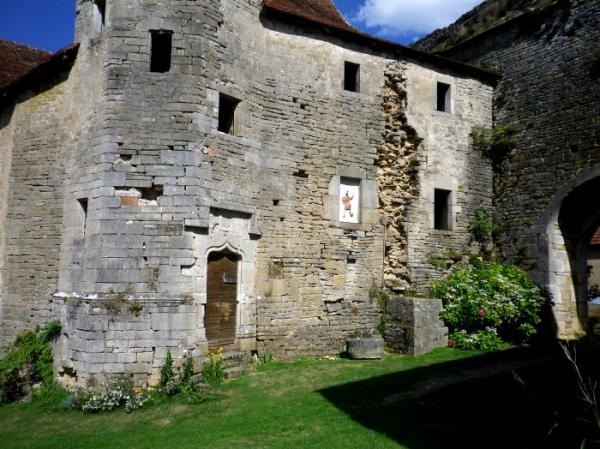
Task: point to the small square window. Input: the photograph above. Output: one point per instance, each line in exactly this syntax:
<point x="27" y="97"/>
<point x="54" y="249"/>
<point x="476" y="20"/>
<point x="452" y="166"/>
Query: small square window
<point x="442" y="210"/>
<point x="227" y="113"/>
<point x="351" y="77"/>
<point x="160" y="52"/>
<point x="444" y="97"/>
<point x="349" y="200"/>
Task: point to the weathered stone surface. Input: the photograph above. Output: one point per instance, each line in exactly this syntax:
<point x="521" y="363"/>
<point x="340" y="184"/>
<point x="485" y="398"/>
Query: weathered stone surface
<point x="547" y="51"/>
<point x="123" y="186"/>
<point x="365" y="348"/>
<point x="414" y="325"/>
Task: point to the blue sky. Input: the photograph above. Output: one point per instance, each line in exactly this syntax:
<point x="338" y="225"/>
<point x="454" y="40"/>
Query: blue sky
<point x="48" y="24"/>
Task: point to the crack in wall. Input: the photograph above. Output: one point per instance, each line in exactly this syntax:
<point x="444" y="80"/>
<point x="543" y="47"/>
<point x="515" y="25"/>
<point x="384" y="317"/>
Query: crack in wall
<point x="398" y="176"/>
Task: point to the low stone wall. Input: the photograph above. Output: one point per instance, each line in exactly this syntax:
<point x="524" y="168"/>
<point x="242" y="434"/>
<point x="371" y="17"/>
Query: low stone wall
<point x="103" y="338"/>
<point x="414" y="326"/>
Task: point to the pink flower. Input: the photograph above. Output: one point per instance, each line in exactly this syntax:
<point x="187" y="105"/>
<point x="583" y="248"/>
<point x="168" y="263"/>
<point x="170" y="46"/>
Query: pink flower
<point x="481" y="313"/>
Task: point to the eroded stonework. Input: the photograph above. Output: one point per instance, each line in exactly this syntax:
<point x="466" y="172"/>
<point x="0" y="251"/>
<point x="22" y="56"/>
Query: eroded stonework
<point x="145" y="184"/>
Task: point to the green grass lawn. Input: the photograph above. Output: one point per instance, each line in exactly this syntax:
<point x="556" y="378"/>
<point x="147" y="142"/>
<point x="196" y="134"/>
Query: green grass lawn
<point x="318" y="404"/>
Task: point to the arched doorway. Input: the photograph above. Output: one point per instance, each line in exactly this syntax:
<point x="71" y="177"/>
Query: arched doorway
<point x="570" y="235"/>
<point x="220" y="313"/>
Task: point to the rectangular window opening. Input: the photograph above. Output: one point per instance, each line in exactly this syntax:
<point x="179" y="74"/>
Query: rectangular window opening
<point x="351" y="77"/>
<point x="442" y="210"/>
<point x="227" y="113"/>
<point x="101" y="10"/>
<point x="151" y="193"/>
<point x="160" y="52"/>
<point x="444" y="98"/>
<point x="83" y="210"/>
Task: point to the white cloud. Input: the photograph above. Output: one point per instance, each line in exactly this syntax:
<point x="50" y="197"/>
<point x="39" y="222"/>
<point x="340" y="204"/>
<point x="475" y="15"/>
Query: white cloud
<point x="396" y="17"/>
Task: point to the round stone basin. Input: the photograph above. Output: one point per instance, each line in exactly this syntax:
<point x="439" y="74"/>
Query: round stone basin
<point x="365" y="348"/>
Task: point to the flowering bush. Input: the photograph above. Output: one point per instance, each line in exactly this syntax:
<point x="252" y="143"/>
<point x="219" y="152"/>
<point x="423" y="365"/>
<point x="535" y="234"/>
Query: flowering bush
<point x="118" y="394"/>
<point x="214" y="371"/>
<point x="173" y="384"/>
<point x="485" y="304"/>
<point x="486" y="339"/>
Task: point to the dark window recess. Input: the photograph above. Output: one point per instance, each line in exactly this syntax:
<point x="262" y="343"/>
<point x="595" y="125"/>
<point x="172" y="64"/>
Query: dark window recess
<point x="227" y="113"/>
<point x="351" y="77"/>
<point x="160" y="53"/>
<point x="444" y="98"/>
<point x="442" y="219"/>
<point x="83" y="204"/>
<point x="151" y="193"/>
<point x="101" y="7"/>
<point x="595" y="69"/>
<point x="300" y="174"/>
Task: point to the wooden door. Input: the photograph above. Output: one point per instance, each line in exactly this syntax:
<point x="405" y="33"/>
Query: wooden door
<point x="221" y="306"/>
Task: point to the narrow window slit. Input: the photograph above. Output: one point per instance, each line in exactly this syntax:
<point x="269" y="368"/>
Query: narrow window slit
<point x="160" y="52"/>
<point x="351" y="77"/>
<point x="100" y="6"/>
<point x="444" y="97"/>
<point x="442" y="209"/>
<point x="227" y="113"/>
<point x="83" y="212"/>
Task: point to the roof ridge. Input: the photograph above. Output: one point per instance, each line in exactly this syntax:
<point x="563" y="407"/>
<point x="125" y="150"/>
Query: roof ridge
<point x="27" y="46"/>
<point x="319" y="12"/>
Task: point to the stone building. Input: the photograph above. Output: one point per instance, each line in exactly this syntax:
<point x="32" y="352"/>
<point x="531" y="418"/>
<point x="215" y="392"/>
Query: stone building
<point x="234" y="173"/>
<point x="547" y="188"/>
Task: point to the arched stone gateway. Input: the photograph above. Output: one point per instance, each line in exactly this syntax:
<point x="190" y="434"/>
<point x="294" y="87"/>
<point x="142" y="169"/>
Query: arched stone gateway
<point x="572" y="219"/>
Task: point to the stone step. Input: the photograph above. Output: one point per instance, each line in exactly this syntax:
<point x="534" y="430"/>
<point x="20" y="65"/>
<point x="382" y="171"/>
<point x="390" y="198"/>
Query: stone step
<point x="236" y="371"/>
<point x="231" y="359"/>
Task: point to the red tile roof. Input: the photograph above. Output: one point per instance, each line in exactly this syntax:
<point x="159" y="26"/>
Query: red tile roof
<point x="320" y="11"/>
<point x="323" y="13"/>
<point x="32" y="75"/>
<point x="17" y="60"/>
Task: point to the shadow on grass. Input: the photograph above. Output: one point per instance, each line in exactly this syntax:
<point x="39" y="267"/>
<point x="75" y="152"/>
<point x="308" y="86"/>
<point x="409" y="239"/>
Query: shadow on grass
<point x="472" y="403"/>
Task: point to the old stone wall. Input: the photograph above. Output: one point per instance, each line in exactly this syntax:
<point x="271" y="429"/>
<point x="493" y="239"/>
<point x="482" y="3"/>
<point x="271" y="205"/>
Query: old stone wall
<point x="549" y="95"/>
<point x="32" y="212"/>
<point x="38" y="132"/>
<point x="152" y="187"/>
<point x="445" y="161"/>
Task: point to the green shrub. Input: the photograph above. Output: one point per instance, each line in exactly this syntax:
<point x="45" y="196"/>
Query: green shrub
<point x="383" y="298"/>
<point x="484" y="226"/>
<point x="120" y="393"/>
<point x="493" y="143"/>
<point x="193" y="389"/>
<point x="266" y="358"/>
<point x="28" y="363"/>
<point x="166" y="372"/>
<point x="187" y="371"/>
<point x="490" y="298"/>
